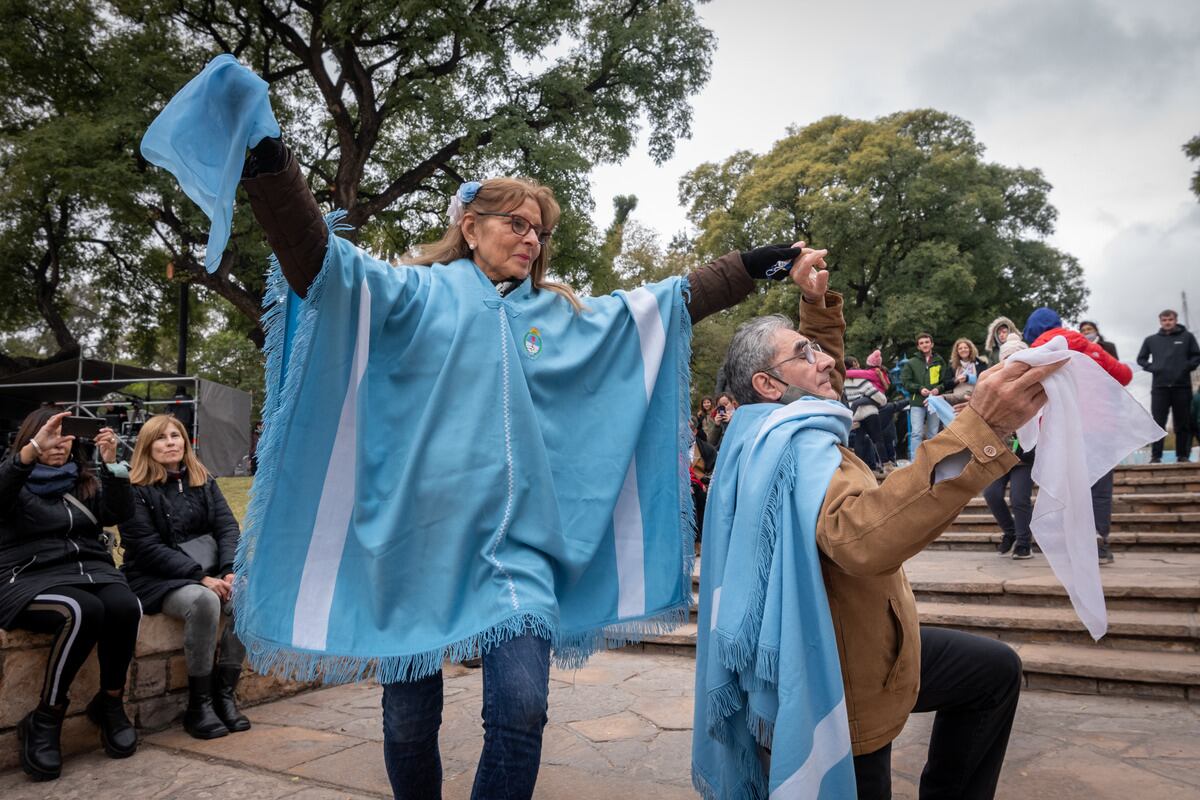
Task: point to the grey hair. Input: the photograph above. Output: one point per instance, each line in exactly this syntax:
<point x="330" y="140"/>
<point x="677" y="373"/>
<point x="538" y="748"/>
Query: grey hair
<point x="751" y="350"/>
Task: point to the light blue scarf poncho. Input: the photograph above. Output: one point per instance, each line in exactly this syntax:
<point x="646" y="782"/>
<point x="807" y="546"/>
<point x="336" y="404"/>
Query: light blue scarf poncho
<point x="767" y="670"/>
<point x="442" y="468"/>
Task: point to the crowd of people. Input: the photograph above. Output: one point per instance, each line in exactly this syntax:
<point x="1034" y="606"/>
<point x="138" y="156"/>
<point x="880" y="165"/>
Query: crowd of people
<point x="875" y="400"/>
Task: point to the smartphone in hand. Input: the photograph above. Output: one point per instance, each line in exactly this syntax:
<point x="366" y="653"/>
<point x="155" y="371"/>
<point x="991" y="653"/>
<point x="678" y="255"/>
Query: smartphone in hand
<point x="82" y="428"/>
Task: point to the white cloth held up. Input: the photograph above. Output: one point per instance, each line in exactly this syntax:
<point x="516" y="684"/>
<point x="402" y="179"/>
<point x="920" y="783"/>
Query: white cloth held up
<point x="1088" y="425"/>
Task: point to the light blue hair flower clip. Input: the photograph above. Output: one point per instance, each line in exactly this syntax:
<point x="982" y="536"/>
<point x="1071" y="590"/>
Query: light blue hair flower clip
<point x="465" y="194"/>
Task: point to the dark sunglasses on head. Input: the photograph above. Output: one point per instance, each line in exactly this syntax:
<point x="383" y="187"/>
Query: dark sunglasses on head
<point x="520" y="225"/>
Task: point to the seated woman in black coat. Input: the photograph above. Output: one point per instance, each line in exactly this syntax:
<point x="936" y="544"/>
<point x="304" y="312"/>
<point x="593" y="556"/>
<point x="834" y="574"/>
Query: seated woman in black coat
<point x="59" y="578"/>
<point x="179" y="548"/>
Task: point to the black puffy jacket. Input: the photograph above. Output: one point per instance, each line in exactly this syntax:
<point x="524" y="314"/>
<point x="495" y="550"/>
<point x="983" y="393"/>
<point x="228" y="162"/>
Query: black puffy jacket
<point x="47" y="541"/>
<point x="1170" y="357"/>
<point x="164" y="515"/>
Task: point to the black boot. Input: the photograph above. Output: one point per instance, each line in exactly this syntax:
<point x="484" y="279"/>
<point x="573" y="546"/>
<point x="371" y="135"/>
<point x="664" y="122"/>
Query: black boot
<point x="39" y="734"/>
<point x="200" y="719"/>
<point x="225" y="700"/>
<point x="116" y="731"/>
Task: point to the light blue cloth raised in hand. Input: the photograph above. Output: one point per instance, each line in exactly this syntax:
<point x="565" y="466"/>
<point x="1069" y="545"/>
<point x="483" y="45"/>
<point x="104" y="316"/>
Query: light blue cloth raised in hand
<point x="940" y="406"/>
<point x="201" y="138"/>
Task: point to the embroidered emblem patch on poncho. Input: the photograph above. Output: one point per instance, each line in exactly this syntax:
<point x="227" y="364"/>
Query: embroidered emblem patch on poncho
<point x="533" y="343"/>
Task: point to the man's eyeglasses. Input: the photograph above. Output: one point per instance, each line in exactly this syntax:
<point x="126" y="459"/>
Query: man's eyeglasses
<point x="804" y="349"/>
<point x="520" y="225"/>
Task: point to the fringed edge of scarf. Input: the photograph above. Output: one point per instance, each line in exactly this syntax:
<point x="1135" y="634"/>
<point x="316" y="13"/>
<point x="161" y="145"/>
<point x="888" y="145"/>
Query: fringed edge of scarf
<point x="572" y="650"/>
<point x="279" y="399"/>
<point x="687" y="506"/>
<point x="739" y="651"/>
<point x="752" y="786"/>
<point x="271" y="658"/>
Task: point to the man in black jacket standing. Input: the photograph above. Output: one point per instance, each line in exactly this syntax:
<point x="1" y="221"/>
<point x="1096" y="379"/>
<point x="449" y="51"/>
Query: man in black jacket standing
<point x="1171" y="355"/>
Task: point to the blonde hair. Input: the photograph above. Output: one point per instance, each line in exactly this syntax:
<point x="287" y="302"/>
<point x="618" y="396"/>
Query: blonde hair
<point x="501" y="195"/>
<point x="146" y="471"/>
<point x="955" y="361"/>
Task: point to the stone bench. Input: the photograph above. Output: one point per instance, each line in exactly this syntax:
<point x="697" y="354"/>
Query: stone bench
<point x="155" y="692"/>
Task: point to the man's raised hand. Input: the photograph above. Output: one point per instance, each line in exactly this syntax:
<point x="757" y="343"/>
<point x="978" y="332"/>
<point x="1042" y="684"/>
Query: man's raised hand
<point x="1007" y="396"/>
<point x="809" y="272"/>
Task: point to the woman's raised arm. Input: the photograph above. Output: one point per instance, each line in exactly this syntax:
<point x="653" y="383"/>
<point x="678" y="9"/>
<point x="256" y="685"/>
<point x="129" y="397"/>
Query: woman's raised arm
<point x="285" y="207"/>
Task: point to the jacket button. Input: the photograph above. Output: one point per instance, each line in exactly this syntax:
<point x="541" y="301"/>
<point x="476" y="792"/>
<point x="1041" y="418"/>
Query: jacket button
<point x="989" y="451"/>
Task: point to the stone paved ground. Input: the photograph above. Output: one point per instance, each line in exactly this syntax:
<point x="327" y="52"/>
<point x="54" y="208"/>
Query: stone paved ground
<point x="618" y="729"/>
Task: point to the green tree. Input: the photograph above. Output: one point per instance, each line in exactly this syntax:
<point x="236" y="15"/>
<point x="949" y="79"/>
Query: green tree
<point x="923" y="233"/>
<point x="1192" y="151"/>
<point x="388" y="107"/>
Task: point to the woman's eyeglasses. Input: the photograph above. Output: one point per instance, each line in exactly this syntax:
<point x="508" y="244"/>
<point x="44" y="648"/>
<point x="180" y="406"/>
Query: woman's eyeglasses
<point x="520" y="225"/>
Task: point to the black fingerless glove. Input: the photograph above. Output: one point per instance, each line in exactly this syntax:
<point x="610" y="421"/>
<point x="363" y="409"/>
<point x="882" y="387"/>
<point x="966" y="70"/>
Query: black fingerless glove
<point x="266" y="158"/>
<point x="772" y="261"/>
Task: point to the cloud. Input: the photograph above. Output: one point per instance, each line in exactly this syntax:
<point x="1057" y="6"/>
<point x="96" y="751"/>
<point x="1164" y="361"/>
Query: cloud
<point x="1143" y="269"/>
<point x="1044" y="53"/>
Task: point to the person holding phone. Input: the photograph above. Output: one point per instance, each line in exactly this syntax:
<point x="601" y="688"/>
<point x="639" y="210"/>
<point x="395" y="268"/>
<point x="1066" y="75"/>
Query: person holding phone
<point x="58" y="577"/>
<point x="179" y="551"/>
<point x="714" y="429"/>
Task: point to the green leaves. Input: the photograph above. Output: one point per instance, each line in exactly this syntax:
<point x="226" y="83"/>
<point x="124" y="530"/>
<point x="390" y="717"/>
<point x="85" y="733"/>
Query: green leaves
<point x="1192" y="151"/>
<point x="923" y="233"/>
<point x="388" y="106"/>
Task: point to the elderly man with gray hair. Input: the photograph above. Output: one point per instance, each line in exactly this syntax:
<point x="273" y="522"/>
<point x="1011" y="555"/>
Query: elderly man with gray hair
<point x="891" y="665"/>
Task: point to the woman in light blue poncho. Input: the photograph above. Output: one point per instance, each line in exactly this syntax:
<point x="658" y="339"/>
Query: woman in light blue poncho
<point x="500" y="230"/>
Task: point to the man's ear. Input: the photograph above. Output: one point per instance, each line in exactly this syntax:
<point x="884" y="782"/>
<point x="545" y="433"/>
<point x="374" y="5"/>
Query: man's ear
<point x="767" y="388"/>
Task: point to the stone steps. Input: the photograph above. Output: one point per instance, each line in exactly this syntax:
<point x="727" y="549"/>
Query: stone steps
<point x="1119" y="542"/>
<point x="1083" y="670"/>
<point x="1158" y="630"/>
<point x="1152" y="648"/>
<point x="1123" y="522"/>
<point x="1156" y="503"/>
<point x="1152" y="592"/>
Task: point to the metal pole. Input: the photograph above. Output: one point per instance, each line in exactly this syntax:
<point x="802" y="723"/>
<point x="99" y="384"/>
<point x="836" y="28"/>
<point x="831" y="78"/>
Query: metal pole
<point x="1187" y="322"/>
<point x="181" y="367"/>
<point x="79" y="381"/>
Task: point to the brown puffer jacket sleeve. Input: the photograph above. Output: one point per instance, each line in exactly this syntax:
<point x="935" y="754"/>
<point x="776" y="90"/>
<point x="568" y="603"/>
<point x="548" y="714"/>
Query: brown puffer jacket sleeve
<point x="718" y="285"/>
<point x="295" y="227"/>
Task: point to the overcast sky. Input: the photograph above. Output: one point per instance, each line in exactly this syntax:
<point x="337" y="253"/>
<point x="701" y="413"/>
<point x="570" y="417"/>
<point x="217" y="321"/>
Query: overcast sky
<point x="1100" y="95"/>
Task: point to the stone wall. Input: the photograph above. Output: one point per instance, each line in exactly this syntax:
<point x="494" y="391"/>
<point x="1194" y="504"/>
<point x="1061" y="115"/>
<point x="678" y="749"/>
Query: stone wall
<point x="155" y="693"/>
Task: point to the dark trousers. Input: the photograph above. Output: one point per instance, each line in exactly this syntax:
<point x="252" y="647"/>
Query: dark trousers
<point x="1102" y="492"/>
<point x="868" y="441"/>
<point x="1015" y="524"/>
<point x="516" y="682"/>
<point x="1176" y="400"/>
<point x="887" y="426"/>
<point x="972" y="683"/>
<point x="104" y="616"/>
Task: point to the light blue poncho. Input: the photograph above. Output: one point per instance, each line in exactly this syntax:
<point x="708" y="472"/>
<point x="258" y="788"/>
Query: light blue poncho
<point x="767" y="670"/>
<point x="442" y="468"/>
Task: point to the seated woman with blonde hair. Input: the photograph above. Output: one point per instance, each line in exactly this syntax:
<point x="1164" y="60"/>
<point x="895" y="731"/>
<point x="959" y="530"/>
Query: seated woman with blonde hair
<point x="179" y="551"/>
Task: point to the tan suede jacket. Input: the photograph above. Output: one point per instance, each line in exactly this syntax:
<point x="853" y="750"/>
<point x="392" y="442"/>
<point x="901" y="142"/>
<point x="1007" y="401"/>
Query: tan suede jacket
<point x="867" y="530"/>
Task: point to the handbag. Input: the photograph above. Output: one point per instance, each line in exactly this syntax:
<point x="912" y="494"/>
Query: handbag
<point x="202" y="550"/>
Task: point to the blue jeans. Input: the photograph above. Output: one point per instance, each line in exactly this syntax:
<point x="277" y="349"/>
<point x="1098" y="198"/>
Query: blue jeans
<point x="516" y="681"/>
<point x="922" y="424"/>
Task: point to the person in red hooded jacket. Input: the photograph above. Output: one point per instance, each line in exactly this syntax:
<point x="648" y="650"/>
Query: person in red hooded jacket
<point x="1042" y="326"/>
